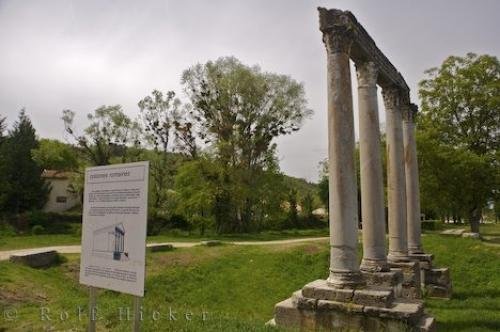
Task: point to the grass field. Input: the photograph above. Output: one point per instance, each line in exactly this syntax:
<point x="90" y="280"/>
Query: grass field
<point x="236" y="287"/>
<point x="34" y="241"/>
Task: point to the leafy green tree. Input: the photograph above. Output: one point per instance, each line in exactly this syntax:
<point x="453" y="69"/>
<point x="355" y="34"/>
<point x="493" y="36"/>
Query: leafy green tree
<point x="307" y="205"/>
<point x="109" y="134"/>
<point x="293" y="214"/>
<point x="461" y="102"/>
<point x="55" y="155"/>
<point x="196" y="189"/>
<point x="167" y="130"/>
<point x="158" y="113"/>
<point x="3" y="172"/>
<point x="239" y="111"/>
<point x="25" y="189"/>
<point x="461" y="111"/>
<point x="323" y="191"/>
<point x="452" y="179"/>
<point x="3" y="126"/>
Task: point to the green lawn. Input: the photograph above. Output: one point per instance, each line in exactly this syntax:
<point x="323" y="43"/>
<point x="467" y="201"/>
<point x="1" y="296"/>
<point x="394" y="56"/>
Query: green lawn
<point x="238" y="286"/>
<point x="34" y="241"/>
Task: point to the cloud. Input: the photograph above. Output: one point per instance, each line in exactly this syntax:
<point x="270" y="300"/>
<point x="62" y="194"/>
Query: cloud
<point x="83" y="54"/>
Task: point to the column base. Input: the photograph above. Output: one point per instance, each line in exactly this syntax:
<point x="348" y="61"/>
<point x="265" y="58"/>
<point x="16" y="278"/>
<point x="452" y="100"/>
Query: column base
<point x="374" y="265"/>
<point x="436" y="282"/>
<point x="395" y="257"/>
<point x="424" y="259"/>
<point x="411" y="278"/>
<point x="392" y="279"/>
<point x="318" y="306"/>
<point x="344" y="279"/>
<point x="416" y="251"/>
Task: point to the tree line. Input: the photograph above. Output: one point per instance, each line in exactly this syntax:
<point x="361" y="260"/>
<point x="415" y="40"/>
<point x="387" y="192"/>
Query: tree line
<point x="213" y="158"/>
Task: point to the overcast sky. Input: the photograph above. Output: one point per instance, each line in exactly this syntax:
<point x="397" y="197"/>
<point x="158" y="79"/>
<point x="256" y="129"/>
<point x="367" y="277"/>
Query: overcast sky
<point x="79" y="55"/>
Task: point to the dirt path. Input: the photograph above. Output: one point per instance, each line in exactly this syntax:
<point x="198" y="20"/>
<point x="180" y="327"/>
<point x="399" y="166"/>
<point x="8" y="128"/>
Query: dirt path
<point x="76" y="249"/>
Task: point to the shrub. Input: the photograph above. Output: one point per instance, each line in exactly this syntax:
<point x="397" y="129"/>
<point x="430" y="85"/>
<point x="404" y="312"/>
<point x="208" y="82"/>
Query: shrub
<point x="77" y="231"/>
<point x="6" y="229"/>
<point x="432" y="225"/>
<point x="53" y="223"/>
<point x="37" y="230"/>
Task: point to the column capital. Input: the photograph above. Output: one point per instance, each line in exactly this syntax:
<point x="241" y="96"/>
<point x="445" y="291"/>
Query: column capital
<point x="337" y="40"/>
<point x="392" y="97"/>
<point x="410" y="113"/>
<point x="367" y="73"/>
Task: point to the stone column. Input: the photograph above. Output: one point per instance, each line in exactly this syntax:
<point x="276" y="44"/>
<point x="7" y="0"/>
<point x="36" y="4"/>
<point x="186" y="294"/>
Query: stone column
<point x="372" y="186"/>
<point x="396" y="186"/>
<point x="344" y="268"/>
<point x="412" y="185"/>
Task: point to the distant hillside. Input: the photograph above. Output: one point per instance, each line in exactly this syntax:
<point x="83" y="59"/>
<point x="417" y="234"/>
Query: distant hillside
<point x="303" y="188"/>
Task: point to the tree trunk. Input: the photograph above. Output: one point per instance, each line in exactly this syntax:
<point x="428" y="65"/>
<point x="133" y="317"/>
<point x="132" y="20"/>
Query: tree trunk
<point x="475" y="217"/>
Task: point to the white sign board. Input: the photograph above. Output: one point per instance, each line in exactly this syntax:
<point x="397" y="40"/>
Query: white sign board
<point x="114" y="227"/>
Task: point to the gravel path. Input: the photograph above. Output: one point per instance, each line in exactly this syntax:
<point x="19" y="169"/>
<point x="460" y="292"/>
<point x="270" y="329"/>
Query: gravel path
<point x="76" y="249"/>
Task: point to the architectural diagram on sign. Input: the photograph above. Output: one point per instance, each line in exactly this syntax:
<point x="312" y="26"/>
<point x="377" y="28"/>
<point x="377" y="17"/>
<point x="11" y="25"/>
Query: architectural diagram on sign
<point x="109" y="242"/>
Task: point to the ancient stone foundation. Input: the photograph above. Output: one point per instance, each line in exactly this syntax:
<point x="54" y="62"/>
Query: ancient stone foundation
<point x="319" y="306"/>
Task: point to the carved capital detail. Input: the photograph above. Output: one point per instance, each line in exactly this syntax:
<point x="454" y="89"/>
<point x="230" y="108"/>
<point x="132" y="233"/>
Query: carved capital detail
<point x="410" y="113"/>
<point x="337" y="41"/>
<point x="367" y="73"/>
<point x="392" y="98"/>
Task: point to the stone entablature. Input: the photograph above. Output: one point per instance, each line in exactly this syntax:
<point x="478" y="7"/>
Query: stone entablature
<point x="361" y="45"/>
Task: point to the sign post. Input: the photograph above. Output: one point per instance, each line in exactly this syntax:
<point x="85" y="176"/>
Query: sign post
<point x="114" y="226"/>
<point x="92" y="308"/>
<point x="137" y="313"/>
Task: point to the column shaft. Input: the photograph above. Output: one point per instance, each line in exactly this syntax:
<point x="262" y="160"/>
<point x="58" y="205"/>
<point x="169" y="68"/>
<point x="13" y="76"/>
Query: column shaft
<point x="412" y="185"/>
<point x="396" y="186"/>
<point x="344" y="268"/>
<point x="372" y="185"/>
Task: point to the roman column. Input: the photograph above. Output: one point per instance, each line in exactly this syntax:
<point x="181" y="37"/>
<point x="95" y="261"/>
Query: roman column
<point x="343" y="208"/>
<point x="396" y="186"/>
<point x="412" y="185"/>
<point x="372" y="185"/>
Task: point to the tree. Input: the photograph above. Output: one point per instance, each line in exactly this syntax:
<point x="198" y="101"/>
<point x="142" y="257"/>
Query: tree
<point x="25" y="189"/>
<point x="461" y="112"/>
<point x="158" y="114"/>
<point x="3" y="126"/>
<point x="3" y="172"/>
<point x="239" y="111"/>
<point x="195" y="187"/>
<point x="308" y="205"/>
<point x="293" y="214"/>
<point x="452" y="179"/>
<point x="324" y="194"/>
<point x="166" y="131"/>
<point x="109" y="134"/>
<point x="55" y="155"/>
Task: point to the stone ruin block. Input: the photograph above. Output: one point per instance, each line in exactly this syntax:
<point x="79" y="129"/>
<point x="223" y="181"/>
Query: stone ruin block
<point x="161" y="247"/>
<point x="38" y="259"/>
<point x="437" y="283"/>
<point x="411" y="288"/>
